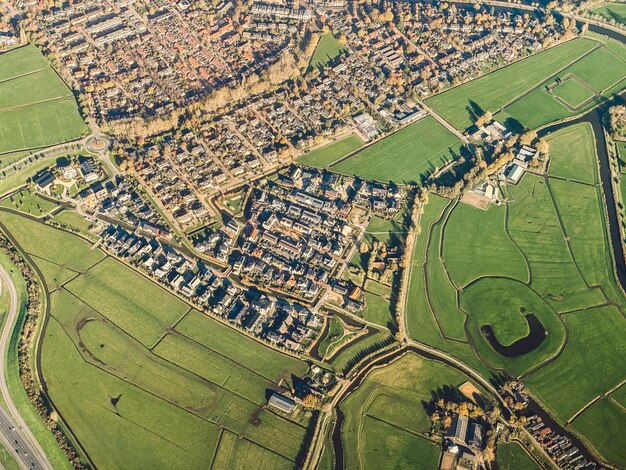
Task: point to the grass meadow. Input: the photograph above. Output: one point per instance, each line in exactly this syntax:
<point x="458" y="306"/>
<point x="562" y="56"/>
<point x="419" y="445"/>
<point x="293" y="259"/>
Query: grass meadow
<point x="328" y="48"/>
<point x="612" y="11"/>
<point x="386" y="424"/>
<point x="602" y="425"/>
<point x="36" y="107"/>
<point x="328" y="154"/>
<point x="405" y="156"/>
<point x="495" y="90"/>
<point x="545" y="252"/>
<point x="512" y="456"/>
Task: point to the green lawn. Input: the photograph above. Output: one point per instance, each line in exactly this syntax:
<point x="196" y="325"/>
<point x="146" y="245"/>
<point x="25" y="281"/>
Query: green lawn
<point x="333" y="335"/>
<point x="36" y="107"/>
<point x="476" y="244"/>
<point x="50" y="243"/>
<point x="581" y="210"/>
<point x="441" y="292"/>
<point x="602" y="425"/>
<point x="511" y="456"/>
<point x="495" y="90"/>
<point x="420" y="318"/>
<point x="234" y="203"/>
<point x="377" y="310"/>
<point x="346" y="356"/>
<point x="405" y="156"/>
<point x="20" y="61"/>
<point x="385" y="420"/>
<point x="29" y="202"/>
<point x="324" y="156"/>
<point x="328" y="48"/>
<point x="240" y="349"/>
<point x="391" y="231"/>
<point x="377" y="288"/>
<point x="573" y="154"/>
<point x="75" y="221"/>
<point x="573" y="92"/>
<point x="590" y="365"/>
<point x="612" y="11"/>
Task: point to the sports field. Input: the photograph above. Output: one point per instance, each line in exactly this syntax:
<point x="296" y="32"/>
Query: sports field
<point x="36" y="107"/>
<point x="145" y="381"/>
<point x="324" y="156"/>
<point x="386" y="424"/>
<point x="612" y="11"/>
<point x="545" y="252"/>
<point x="548" y="86"/>
<point x="406" y="156"/>
<point x="328" y="48"/>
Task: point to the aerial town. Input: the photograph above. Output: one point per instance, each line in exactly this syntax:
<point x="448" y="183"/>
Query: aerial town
<point x="312" y="234"/>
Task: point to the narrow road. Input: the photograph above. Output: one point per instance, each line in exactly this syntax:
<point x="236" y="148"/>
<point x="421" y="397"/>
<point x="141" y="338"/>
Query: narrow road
<point x="14" y="432"/>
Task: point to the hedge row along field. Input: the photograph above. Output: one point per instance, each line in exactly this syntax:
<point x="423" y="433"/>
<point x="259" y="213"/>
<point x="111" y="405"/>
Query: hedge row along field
<point x="36" y="107"/>
<point x="544" y="253"/>
<point x="145" y="381"/>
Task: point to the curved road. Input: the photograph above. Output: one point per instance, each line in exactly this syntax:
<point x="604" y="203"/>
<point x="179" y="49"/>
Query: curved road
<point x="14" y="433"/>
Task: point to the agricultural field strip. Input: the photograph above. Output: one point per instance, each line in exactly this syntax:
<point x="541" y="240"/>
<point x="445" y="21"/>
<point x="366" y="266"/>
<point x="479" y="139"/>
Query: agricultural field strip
<point x="445" y="213"/>
<point x="401" y="428"/>
<point x="159" y="397"/>
<point x="190" y="339"/>
<point x="204" y="346"/>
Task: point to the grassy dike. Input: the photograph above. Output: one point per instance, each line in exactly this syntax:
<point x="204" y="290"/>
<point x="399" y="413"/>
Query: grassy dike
<point x="45" y="438"/>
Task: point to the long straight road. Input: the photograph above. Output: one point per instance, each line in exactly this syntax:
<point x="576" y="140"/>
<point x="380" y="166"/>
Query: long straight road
<point x="14" y="433"/>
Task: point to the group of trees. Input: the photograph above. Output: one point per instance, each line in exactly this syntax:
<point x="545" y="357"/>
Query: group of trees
<point x="25" y="346"/>
<point x="617" y="121"/>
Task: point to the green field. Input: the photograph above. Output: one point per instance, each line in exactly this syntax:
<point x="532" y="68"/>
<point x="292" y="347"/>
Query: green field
<point x="595" y="346"/>
<point x="573" y="92"/>
<point x="328" y="48"/>
<point x="495" y="90"/>
<point x="477" y="245"/>
<point x="138" y="392"/>
<point x="612" y="11"/>
<point x="74" y="221"/>
<point x="511" y="456"/>
<point x="29" y="202"/>
<point x="573" y="154"/>
<point x="581" y="81"/>
<point x="386" y="424"/>
<point x="390" y="231"/>
<point x="377" y="310"/>
<point x="324" y="156"/>
<point x="544" y="252"/>
<point x="36" y="107"/>
<point x="406" y="156"/>
<point x="602" y="425"/>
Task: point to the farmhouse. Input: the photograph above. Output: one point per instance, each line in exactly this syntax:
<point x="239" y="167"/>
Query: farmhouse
<point x="465" y="431"/>
<point x="44" y="180"/>
<point x="283" y="403"/>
